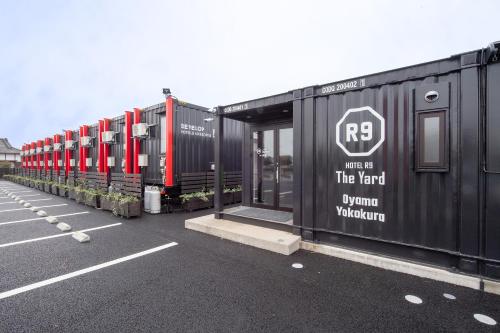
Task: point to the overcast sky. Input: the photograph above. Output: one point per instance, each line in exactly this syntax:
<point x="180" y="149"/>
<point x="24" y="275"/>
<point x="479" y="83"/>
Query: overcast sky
<point x="68" y="63"/>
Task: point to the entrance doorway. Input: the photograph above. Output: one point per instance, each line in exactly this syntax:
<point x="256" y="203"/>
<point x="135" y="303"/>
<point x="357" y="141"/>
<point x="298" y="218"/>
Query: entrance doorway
<point x="272" y="167"/>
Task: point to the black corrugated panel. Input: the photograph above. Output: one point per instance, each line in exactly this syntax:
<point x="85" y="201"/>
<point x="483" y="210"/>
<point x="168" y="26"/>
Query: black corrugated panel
<point x="193" y="141"/>
<point x="93" y="151"/>
<point x="447" y="215"/>
<point x="116" y="149"/>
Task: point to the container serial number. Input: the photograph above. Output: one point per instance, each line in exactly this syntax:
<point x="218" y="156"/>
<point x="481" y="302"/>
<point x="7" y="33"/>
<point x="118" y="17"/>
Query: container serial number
<point x="343" y="86"/>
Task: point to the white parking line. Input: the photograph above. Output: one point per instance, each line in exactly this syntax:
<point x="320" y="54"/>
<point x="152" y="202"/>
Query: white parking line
<point x="58" y="235"/>
<point x="60" y="278"/>
<point x="41" y="218"/>
<point x="22" y="196"/>
<point x="9" y="202"/>
<point x="20" y="191"/>
<point x="14" y="209"/>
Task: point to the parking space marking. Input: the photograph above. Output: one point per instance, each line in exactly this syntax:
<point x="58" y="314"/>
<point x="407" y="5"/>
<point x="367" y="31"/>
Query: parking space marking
<point x="14" y="209"/>
<point x="41" y="218"/>
<point x="20" y="191"/>
<point x="10" y="202"/>
<point x="58" y="235"/>
<point x="22" y="196"/>
<point x="60" y="278"/>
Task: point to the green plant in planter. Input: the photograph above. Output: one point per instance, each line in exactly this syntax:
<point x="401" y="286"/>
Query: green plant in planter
<point x="236" y="189"/>
<point x="195" y="195"/>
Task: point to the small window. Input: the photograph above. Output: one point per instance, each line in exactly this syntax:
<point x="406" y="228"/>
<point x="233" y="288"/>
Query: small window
<point x="431" y="142"/>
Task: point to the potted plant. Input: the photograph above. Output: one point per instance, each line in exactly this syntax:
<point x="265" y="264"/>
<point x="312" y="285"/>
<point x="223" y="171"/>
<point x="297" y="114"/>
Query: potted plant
<point x="54" y="188"/>
<point x="79" y="194"/>
<point x="227" y="196"/>
<point x="72" y="192"/>
<point x="196" y="200"/>
<point x="92" y="197"/>
<point x="62" y="190"/>
<point x="236" y="194"/>
<point x="127" y="206"/>
<point x="48" y="186"/>
<point x="109" y="200"/>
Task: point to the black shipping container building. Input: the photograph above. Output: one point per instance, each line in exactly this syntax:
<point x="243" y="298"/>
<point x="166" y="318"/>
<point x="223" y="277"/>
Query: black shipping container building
<point x="190" y="146"/>
<point x="403" y="163"/>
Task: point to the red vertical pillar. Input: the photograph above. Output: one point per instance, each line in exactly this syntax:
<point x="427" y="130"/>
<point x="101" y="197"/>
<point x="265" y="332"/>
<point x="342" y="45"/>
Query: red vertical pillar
<point x="84" y="131"/>
<point x="169" y="144"/>
<point x="22" y="158"/>
<point x="46" y="157"/>
<point x="33" y="150"/>
<point x="128" y="142"/>
<point x="39" y="156"/>
<point x="137" y="142"/>
<point x="68" y="135"/>
<point x="100" y="153"/>
<point x="80" y="148"/>
<point x="106" y="146"/>
<point x="56" y="155"/>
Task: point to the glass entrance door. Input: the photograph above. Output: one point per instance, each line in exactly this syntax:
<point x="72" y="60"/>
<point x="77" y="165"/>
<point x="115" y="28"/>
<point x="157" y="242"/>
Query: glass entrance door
<point x="272" y="168"/>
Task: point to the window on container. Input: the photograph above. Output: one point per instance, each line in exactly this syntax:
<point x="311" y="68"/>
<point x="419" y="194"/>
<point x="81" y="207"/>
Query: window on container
<point x="432" y="143"/>
<point x="163" y="144"/>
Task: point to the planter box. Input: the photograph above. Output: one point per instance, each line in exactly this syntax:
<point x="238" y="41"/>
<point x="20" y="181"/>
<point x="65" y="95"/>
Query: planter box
<point x="129" y="210"/>
<point x="48" y="188"/>
<point x="92" y="201"/>
<point x="237" y="197"/>
<point x="80" y="197"/>
<point x="54" y="189"/>
<point x="107" y="204"/>
<point x="63" y="192"/>
<point x="227" y="198"/>
<point x="196" y="203"/>
<point x="72" y="194"/>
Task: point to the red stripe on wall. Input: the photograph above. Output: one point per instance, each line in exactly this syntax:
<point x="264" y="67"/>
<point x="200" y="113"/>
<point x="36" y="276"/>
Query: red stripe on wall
<point x="106" y="146"/>
<point x="128" y="142"/>
<point x="137" y="142"/>
<point x="169" y="144"/>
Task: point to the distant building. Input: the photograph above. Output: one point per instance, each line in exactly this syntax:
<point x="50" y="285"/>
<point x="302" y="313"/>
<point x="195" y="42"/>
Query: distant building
<point x="9" y="154"/>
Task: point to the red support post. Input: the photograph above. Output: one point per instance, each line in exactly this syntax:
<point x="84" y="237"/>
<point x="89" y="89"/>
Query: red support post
<point x="128" y="142"/>
<point x="46" y="156"/>
<point x="169" y="144"/>
<point x="106" y="146"/>
<point x="100" y="167"/>
<point x="67" y="153"/>
<point x="137" y="142"/>
<point x="56" y="155"/>
<point x="33" y="150"/>
<point x="84" y="131"/>
<point x="39" y="159"/>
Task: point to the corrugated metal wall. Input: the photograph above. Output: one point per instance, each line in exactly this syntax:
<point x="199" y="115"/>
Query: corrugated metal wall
<point x="93" y="151"/>
<point x="420" y="207"/>
<point x="492" y="165"/>
<point x="117" y="149"/>
<point x="193" y="141"/>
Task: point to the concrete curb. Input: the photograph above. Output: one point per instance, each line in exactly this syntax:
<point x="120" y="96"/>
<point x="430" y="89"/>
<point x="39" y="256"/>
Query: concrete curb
<point x="263" y="238"/>
<point x="406" y="267"/>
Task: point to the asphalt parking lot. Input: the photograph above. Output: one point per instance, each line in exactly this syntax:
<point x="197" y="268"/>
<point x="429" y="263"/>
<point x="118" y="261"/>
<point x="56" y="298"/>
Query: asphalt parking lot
<point x="151" y="274"/>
